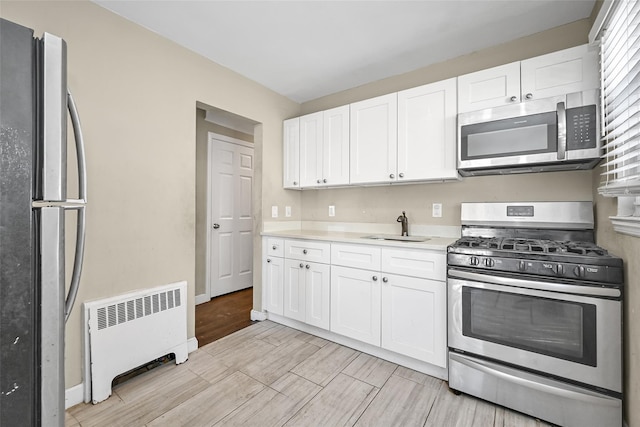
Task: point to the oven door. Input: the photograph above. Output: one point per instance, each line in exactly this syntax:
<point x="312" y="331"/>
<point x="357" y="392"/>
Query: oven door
<point x="541" y="326"/>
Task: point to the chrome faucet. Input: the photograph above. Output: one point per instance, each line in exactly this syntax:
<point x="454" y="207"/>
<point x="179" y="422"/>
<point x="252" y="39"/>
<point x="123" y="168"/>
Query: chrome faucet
<point x="405" y="224"/>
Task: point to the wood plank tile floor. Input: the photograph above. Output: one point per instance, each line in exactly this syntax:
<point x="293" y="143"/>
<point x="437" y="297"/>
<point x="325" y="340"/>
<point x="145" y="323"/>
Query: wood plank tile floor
<point x="271" y="375"/>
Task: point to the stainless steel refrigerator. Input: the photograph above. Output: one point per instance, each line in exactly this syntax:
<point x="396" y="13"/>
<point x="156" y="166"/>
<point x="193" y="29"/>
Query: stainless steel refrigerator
<point x="33" y="202"/>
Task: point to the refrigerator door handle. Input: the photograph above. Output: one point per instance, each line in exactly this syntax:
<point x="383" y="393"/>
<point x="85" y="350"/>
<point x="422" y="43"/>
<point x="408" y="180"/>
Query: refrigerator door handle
<point x="82" y="194"/>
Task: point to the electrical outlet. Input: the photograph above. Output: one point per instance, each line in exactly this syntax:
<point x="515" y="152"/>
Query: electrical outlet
<point x="332" y="210"/>
<point x="287" y="211"/>
<point x="274" y="212"/>
<point x="436" y="210"/>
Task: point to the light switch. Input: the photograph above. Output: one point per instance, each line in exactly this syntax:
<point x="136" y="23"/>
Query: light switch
<point x="332" y="210"/>
<point x="274" y="212"/>
<point x="287" y="211"/>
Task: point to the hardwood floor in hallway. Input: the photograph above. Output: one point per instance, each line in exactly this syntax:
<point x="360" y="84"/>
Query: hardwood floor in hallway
<point x="271" y="375"/>
<point x="223" y="315"/>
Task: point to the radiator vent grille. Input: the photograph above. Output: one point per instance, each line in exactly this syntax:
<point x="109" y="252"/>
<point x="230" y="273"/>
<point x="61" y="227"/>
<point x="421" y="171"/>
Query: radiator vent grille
<point x="135" y="308"/>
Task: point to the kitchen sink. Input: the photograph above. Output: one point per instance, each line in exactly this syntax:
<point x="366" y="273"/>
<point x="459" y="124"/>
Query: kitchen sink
<point x="397" y="238"/>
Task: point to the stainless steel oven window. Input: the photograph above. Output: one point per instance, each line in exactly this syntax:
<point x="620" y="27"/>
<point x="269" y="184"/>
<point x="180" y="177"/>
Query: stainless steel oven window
<point x="556" y="328"/>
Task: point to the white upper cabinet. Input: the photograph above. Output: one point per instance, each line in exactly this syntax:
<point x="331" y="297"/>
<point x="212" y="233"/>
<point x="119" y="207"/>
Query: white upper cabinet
<point x="335" y="147"/>
<point x="558" y="73"/>
<point x="324" y="148"/>
<point x="374" y="139"/>
<point x="489" y="88"/>
<point x="310" y="149"/>
<point x="427" y="132"/>
<point x="566" y="71"/>
<point x="291" y="154"/>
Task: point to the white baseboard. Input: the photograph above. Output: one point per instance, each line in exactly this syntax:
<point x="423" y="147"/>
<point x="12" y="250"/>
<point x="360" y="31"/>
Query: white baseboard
<point x="73" y="396"/>
<point x="202" y="298"/>
<point x="192" y="344"/>
<point x="258" y="315"/>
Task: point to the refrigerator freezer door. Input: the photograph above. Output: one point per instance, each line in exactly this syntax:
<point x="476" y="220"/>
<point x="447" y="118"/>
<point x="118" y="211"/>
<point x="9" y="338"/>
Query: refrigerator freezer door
<point x="54" y="118"/>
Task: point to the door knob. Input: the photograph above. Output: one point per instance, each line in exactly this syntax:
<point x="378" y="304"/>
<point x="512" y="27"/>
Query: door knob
<point x="216" y="226"/>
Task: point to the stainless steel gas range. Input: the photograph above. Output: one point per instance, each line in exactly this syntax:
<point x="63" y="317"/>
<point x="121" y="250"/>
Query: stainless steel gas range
<point x="535" y="312"/>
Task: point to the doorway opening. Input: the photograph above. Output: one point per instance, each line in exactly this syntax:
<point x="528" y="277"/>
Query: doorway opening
<point x="227" y="203"/>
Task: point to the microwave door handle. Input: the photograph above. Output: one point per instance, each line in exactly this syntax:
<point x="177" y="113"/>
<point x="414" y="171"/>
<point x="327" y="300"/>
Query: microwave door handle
<point x="562" y="131"/>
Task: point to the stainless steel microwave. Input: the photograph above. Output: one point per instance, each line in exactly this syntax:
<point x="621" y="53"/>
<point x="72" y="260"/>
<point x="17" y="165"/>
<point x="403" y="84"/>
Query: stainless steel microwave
<point x="558" y="133"/>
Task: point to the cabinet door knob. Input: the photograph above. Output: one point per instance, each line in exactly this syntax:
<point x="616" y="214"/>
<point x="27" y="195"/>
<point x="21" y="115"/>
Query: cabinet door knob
<point x="528" y="96"/>
<point x="268" y="260"/>
<point x="375" y="278"/>
<point x="274" y="247"/>
<point x="318" y="181"/>
<point x="301" y="265"/>
<point x="401" y="175"/>
<point x="385" y="280"/>
<point x="307" y="266"/>
<point x="304" y="251"/>
<point x="513" y="98"/>
<point x="324" y="180"/>
<point x="392" y="176"/>
<point x="295" y="183"/>
<point x="216" y="226"/>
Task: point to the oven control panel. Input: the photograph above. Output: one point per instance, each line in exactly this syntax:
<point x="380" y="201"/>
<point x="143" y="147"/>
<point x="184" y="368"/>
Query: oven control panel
<point x="537" y="267"/>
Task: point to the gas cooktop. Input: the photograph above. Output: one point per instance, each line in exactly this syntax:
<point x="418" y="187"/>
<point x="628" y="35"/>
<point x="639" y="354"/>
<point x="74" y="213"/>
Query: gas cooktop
<point x="532" y="245"/>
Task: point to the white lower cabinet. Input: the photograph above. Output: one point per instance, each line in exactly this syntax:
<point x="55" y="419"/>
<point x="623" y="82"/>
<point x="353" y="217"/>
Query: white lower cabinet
<point x="273" y="284"/>
<point x="389" y="297"/>
<point x="414" y="318"/>
<point x="355" y="304"/>
<point x="306" y="286"/>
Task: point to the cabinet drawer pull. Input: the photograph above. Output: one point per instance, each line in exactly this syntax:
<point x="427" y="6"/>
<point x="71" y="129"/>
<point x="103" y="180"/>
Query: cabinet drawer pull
<point x="274" y="247"/>
<point x="385" y="280"/>
<point x="304" y="251"/>
<point x="375" y="278"/>
<point x="307" y="266"/>
<point x="268" y="260"/>
<point x="301" y="265"/>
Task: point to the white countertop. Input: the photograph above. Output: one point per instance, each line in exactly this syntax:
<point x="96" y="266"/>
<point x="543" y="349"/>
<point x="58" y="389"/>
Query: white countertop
<point x="434" y="243"/>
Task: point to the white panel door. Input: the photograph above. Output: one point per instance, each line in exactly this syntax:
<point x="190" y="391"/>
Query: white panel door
<point x="414" y="318"/>
<point x="374" y="140"/>
<point x="294" y="290"/>
<point x="427" y="132"/>
<point x="230" y="211"/>
<point x="335" y="147"/>
<point x="311" y="150"/>
<point x="488" y="88"/>
<point x="566" y="71"/>
<point x="355" y="304"/>
<point x="317" y="288"/>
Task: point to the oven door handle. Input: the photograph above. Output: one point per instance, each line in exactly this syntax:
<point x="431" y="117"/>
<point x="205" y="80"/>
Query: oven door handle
<point x="536" y="384"/>
<point x="529" y="284"/>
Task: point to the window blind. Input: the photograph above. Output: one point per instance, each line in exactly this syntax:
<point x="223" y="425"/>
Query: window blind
<point x="620" y="74"/>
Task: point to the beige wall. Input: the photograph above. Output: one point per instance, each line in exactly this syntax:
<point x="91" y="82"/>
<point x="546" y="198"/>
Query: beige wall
<point x="137" y="95"/>
<point x="203" y="127"/>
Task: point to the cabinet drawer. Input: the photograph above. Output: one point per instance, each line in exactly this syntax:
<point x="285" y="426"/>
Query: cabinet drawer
<point x="307" y="250"/>
<point x="357" y="256"/>
<point x="275" y="247"/>
<point x="425" y="264"/>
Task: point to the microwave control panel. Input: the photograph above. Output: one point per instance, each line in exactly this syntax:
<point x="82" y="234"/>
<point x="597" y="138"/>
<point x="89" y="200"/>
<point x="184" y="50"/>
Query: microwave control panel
<point x="581" y="127"/>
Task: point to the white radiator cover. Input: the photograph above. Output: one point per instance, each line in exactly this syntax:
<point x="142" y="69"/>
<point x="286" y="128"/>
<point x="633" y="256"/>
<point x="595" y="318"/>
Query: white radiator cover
<point x="130" y="330"/>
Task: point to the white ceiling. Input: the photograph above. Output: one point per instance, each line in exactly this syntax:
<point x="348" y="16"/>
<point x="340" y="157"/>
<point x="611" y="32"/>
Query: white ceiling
<point x="307" y="49"/>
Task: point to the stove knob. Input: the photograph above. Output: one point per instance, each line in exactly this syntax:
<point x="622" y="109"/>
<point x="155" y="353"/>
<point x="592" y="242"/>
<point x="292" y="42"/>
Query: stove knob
<point x="488" y="262"/>
<point x="579" y="271"/>
<point x="559" y="270"/>
<point x="522" y="266"/>
<point x="474" y="261"/>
